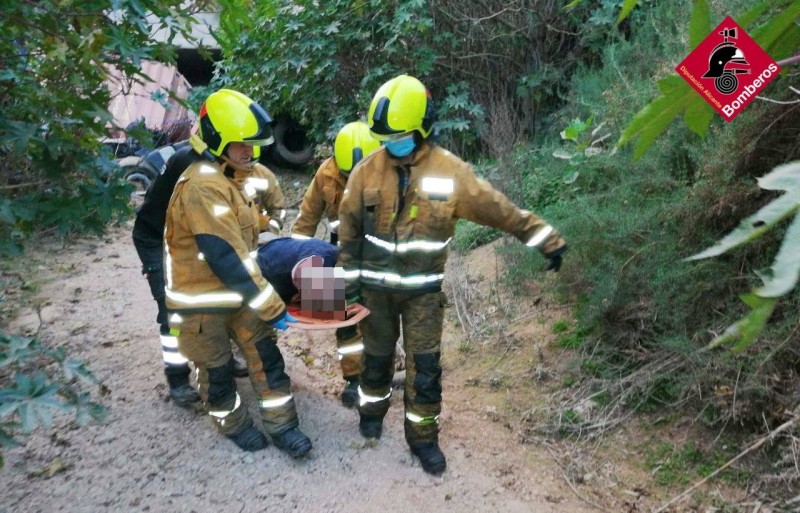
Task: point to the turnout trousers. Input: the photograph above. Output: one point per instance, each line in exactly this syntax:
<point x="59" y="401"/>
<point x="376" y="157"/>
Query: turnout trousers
<point x="176" y="367"/>
<point x="421" y="320"/>
<point x="205" y="339"/>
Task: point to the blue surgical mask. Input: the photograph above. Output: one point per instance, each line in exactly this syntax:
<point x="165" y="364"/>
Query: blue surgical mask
<point x="401" y="147"/>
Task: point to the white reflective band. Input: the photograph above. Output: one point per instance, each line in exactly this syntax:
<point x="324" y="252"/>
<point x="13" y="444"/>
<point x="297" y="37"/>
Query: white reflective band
<point x="220" y="210"/>
<point x="540" y="236"/>
<point x="167" y="264"/>
<point x="283" y="214"/>
<point x="438" y="185"/>
<point x="221" y="414"/>
<point x="175" y="318"/>
<point x="275" y="224"/>
<point x="366" y="398"/>
<point x="351" y="275"/>
<point x="207" y="170"/>
<point x="404" y="247"/>
<point x="352" y="349"/>
<point x="261" y="184"/>
<point x="250" y="264"/>
<point x="231" y="298"/>
<point x="300" y="237"/>
<point x="249" y="190"/>
<point x="201" y="257"/>
<point x="420" y="279"/>
<point x="169" y="341"/>
<point x="274" y="403"/>
<point x="261" y="298"/>
<point x="335" y="224"/>
<point x="413" y="417"/>
<point x="174" y="358"/>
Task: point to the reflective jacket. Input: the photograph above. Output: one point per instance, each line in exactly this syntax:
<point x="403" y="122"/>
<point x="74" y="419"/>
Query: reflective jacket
<point x="210" y="240"/>
<point x="262" y="183"/>
<point x="323" y="195"/>
<point x="397" y="221"/>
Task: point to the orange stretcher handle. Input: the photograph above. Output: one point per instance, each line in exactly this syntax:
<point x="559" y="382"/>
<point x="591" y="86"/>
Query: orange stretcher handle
<point x="354" y="314"/>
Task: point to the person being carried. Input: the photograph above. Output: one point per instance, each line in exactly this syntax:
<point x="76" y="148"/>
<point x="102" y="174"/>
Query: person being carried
<point x="323" y="196"/>
<point x="215" y="290"/>
<point x="397" y="218"/>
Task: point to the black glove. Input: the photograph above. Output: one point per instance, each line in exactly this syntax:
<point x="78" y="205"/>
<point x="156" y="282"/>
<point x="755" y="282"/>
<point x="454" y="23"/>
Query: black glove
<point x="555" y="258"/>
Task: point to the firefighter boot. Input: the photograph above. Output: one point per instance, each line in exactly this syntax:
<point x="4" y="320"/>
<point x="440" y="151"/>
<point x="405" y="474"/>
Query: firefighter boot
<point x="350" y="392"/>
<point x="181" y="393"/>
<point x="293" y="441"/>
<point x="431" y="457"/>
<point x="250" y="439"/>
<point x="370" y="426"/>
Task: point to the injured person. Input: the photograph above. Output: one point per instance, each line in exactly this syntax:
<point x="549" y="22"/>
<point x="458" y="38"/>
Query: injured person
<point x="302" y="272"/>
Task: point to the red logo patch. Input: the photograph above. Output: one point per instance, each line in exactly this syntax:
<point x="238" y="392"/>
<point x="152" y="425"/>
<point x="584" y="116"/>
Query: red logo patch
<point x="728" y="69"/>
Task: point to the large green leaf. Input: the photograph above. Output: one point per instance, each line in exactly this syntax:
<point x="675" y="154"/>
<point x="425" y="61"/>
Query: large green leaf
<point x="15" y="349"/>
<point x="783" y="274"/>
<point x="651" y="121"/>
<point x="747" y="329"/>
<point x="698" y="115"/>
<point x="780" y="33"/>
<point x="699" y="23"/>
<point x="627" y="7"/>
<point x="773" y="31"/>
<point x="754" y="226"/>
<point x="783" y="178"/>
<point x="749" y="17"/>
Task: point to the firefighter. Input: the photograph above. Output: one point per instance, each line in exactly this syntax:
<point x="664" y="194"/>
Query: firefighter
<point x="148" y="239"/>
<point x="353" y="142"/>
<point x="397" y="217"/>
<point x="215" y="290"/>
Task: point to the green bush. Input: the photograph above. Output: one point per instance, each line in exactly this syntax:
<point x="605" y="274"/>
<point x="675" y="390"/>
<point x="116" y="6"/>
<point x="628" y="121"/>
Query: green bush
<point x="53" y="174"/>
<point x="45" y="383"/>
<point x="630" y="224"/>
<point x="488" y="67"/>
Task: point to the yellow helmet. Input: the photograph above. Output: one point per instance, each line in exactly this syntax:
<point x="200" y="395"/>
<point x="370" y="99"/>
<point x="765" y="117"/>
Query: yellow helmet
<point x="401" y="105"/>
<point x="353" y="142"/>
<point x="229" y="116"/>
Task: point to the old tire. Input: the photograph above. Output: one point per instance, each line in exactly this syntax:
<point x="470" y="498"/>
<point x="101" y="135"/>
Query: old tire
<point x="291" y="147"/>
<point x="140" y="178"/>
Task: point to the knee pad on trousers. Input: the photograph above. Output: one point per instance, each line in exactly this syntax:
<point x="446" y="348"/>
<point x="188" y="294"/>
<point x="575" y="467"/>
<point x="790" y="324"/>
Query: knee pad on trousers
<point x="274" y="366"/>
<point x="221" y="386"/>
<point x="427" y="381"/>
<point x="377" y="372"/>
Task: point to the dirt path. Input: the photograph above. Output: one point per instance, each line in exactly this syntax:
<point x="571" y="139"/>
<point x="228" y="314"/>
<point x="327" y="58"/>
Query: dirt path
<point x="153" y="456"/>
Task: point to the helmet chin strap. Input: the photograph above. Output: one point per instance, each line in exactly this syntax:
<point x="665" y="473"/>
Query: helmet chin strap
<point x="235" y="166"/>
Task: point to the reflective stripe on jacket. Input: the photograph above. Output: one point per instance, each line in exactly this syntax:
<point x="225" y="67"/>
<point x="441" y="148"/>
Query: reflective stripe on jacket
<point x="397" y="240"/>
<point x="323" y="196"/>
<point x="261" y="185"/>
<point x="210" y="239"/>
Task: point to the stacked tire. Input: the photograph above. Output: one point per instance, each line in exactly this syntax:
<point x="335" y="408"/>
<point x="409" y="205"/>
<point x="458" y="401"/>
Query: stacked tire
<point x="291" y="148"/>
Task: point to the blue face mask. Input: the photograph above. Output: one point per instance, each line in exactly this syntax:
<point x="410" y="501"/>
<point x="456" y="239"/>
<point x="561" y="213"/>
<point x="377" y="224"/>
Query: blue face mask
<point x="402" y="147"/>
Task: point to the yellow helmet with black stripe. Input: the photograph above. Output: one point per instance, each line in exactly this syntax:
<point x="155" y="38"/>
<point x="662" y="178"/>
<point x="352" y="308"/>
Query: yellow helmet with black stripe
<point x="229" y="116"/>
<point x="401" y="105"/>
<point x="353" y="142"/>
